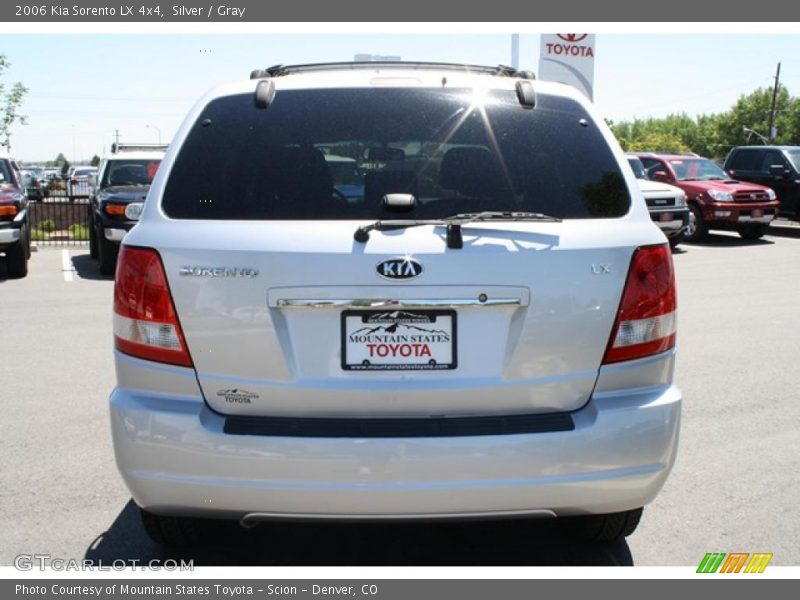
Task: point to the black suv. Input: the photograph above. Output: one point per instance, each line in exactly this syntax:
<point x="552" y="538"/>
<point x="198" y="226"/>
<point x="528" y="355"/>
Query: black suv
<point x="124" y="178"/>
<point x="777" y="167"/>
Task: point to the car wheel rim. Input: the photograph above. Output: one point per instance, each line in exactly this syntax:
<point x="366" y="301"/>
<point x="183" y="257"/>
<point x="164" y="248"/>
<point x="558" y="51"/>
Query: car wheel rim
<point x="690" y="228"/>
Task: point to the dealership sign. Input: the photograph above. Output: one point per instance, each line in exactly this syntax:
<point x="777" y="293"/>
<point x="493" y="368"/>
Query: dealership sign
<point x="568" y="58"/>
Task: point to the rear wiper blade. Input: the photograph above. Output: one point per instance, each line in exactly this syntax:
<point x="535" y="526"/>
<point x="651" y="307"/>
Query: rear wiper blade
<point x="489" y="215"/>
<point x="453" y="223"/>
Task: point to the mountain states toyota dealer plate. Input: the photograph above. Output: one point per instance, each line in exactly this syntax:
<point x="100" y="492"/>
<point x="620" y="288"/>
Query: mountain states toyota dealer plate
<point x="398" y="340"/>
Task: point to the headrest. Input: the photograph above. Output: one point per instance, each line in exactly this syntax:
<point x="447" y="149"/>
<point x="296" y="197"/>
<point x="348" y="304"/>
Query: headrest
<point x="379" y="183"/>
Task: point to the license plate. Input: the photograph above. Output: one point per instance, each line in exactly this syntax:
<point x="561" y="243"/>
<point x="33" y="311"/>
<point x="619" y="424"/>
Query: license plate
<point x="666" y="217"/>
<point x="398" y="340"/>
<point x="757" y="213"/>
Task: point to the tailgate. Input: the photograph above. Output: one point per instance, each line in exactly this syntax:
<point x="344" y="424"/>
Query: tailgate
<point x="517" y="321"/>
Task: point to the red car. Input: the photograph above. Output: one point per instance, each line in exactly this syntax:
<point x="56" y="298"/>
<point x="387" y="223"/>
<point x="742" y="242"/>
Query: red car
<point x="15" y="239"/>
<point x="715" y="200"/>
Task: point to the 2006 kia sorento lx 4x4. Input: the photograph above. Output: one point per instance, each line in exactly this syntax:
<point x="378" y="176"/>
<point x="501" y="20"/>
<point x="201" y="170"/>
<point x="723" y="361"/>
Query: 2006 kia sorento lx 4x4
<point x="486" y="330"/>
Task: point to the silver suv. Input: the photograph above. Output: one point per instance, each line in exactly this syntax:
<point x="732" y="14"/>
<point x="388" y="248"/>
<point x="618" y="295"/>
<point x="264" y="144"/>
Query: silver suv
<point x="476" y="318"/>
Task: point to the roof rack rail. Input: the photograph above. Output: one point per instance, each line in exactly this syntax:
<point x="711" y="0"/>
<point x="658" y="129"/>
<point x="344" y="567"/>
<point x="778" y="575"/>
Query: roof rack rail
<point x="143" y="147"/>
<point x="498" y="70"/>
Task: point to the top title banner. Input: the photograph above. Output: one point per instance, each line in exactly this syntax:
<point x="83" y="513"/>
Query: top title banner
<point x="197" y="11"/>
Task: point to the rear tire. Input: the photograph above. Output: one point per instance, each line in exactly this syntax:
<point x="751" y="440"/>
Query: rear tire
<point x="17" y="256"/>
<point x="92" y="240"/>
<point x="28" y="243"/>
<point x="753" y="232"/>
<point x="697" y="229"/>
<point x="106" y="255"/>
<point x="180" y="532"/>
<point x="675" y="240"/>
<point x="603" y="528"/>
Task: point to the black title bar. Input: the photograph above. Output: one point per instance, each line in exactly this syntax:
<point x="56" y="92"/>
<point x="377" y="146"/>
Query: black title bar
<point x="204" y="11"/>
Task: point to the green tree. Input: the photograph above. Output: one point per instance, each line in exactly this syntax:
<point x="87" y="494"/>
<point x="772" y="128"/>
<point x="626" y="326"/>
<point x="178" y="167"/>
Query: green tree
<point x="656" y="135"/>
<point x="792" y="123"/>
<point x="752" y="112"/>
<point x="95" y="161"/>
<point x="62" y="163"/>
<point x="659" y="142"/>
<point x="713" y="135"/>
<point x="10" y="104"/>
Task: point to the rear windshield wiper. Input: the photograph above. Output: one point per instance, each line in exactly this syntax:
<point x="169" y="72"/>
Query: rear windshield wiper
<point x="453" y="224"/>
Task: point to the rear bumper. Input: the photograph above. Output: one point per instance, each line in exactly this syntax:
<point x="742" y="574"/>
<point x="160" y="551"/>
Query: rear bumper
<point x="733" y="213"/>
<point x="671" y="221"/>
<point x="111" y="229"/>
<point x="176" y="459"/>
<point x="10" y="232"/>
<point x="9" y="236"/>
<point x="114" y="234"/>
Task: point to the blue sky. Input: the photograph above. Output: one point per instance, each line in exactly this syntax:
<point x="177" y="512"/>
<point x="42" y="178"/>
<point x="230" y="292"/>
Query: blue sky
<point x="83" y="87"/>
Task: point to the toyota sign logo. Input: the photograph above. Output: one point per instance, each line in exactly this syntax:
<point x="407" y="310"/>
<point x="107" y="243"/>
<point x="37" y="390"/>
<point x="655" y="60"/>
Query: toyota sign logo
<point x="572" y="37"/>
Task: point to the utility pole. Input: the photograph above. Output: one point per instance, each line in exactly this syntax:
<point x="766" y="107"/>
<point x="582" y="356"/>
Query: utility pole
<point x="116" y="137"/>
<point x="771" y="133"/>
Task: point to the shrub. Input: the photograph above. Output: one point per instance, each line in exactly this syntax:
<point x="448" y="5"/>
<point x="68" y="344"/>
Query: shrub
<point x="79" y="232"/>
<point x="47" y="225"/>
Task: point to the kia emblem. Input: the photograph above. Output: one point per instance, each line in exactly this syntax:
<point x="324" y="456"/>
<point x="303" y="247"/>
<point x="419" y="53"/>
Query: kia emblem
<point x="399" y="268"/>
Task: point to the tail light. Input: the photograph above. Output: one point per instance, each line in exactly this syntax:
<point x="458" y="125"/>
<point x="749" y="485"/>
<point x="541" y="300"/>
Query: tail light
<point x="646" y="321"/>
<point x="8" y="211"/>
<point x="114" y="210"/>
<point x="145" y="322"/>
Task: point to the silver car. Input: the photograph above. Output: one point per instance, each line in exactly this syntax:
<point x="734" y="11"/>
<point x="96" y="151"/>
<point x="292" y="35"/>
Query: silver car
<point x="487" y="330"/>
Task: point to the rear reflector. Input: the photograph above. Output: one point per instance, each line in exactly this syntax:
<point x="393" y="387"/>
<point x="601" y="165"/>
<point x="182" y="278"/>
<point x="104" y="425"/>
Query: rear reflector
<point x="646" y="322"/>
<point x="8" y="210"/>
<point x="145" y="323"/>
<point x="115" y="210"/>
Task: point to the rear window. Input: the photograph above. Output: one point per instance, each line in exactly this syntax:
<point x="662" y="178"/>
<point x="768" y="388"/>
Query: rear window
<point x="638" y="168"/>
<point x="746" y="160"/>
<point x="334" y="154"/>
<point x="130" y="172"/>
<point x="794" y="157"/>
<point x="5" y="172"/>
